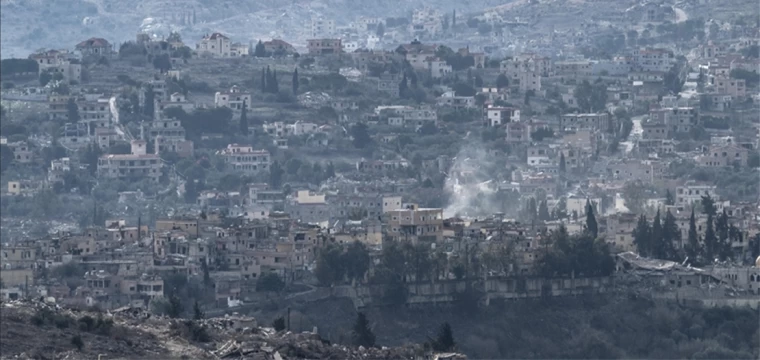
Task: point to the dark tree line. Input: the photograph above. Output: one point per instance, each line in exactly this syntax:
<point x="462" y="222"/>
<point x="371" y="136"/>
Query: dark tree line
<point x="658" y="239"/>
<point x="269" y="82"/>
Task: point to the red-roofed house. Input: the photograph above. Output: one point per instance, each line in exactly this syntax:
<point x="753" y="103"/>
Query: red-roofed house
<point x="216" y="45"/>
<point x="95" y="47"/>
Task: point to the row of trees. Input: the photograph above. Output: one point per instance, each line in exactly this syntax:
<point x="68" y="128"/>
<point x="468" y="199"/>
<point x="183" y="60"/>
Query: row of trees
<point x="362" y="335"/>
<point x="658" y="239"/>
<point x="581" y="254"/>
<point x="11" y="67"/>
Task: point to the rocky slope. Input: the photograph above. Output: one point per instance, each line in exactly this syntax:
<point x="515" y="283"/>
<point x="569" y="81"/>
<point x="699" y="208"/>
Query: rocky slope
<point x="36" y="330"/>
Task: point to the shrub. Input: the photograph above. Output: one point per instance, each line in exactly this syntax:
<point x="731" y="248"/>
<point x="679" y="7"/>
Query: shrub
<point x="279" y="324"/>
<point x="77" y="341"/>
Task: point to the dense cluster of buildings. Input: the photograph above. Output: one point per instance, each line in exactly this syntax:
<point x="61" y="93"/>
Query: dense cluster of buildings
<point x="569" y="130"/>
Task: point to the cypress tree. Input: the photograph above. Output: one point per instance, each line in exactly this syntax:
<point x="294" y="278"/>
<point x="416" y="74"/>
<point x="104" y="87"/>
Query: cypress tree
<point x="711" y="241"/>
<point x="445" y="340"/>
<point x="295" y="82"/>
<point x="693" y="250"/>
<point x="657" y="243"/>
<point x="671" y="235"/>
<point x="403" y="87"/>
<point x="275" y="84"/>
<point x="723" y="247"/>
<point x="244" y="119"/>
<point x="543" y="211"/>
<point x="562" y="164"/>
<point x="362" y="334"/>
<point x="263" y="80"/>
<point x="591" y="224"/>
<point x="642" y="236"/>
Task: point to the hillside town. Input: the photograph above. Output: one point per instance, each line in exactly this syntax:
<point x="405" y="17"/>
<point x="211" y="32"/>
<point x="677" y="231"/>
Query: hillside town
<point x="401" y="154"/>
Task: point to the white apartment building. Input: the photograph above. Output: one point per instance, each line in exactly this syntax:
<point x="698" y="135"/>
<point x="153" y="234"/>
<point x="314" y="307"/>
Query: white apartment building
<point x="496" y="116"/>
<point x="137" y="165"/>
<point x="244" y="158"/>
<point x="233" y="99"/>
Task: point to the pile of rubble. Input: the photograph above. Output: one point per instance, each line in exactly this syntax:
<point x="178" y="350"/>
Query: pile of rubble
<point x="144" y="334"/>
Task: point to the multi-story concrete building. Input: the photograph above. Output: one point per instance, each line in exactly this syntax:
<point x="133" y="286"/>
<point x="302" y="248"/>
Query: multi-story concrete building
<point x="496" y="116"/>
<point x="691" y="193"/>
<point x="730" y="86"/>
<point x="574" y="122"/>
<point x="244" y="158"/>
<point x="680" y="120"/>
<point x="725" y="156"/>
<point x="59" y="62"/>
<point x="233" y="99"/>
<point x="361" y="205"/>
<point x="177" y="100"/>
<point x="322" y="27"/>
<point x="95" y="112"/>
<point x="137" y="165"/>
<point x="412" y="223"/>
<point x="324" y="46"/>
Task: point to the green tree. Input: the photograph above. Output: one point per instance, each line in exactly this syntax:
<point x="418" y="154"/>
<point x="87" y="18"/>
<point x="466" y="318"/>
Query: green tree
<point x="362" y="334"/>
<point x="6" y="157"/>
<point x="360" y="134"/>
<point x="295" y="82"/>
<point x="669" y="199"/>
<point x="444" y="342"/>
<point x="591" y="224"/>
<point x="197" y="311"/>
<point x="275" y="175"/>
<point x="380" y="30"/>
<point x="244" y="120"/>
<point x="330" y="266"/>
<point x="543" y="211"/>
<point x="722" y="229"/>
<point x="658" y="248"/>
<point x="711" y="240"/>
<point x="708" y="205"/>
<point x="279" y="324"/>
<point x="693" y="249"/>
<point x="671" y="235"/>
<point x="270" y="282"/>
<point x="77" y="342"/>
<point x="162" y="63"/>
<point x="502" y="81"/>
<point x="356" y="260"/>
<point x="260" y="50"/>
<point x="642" y="236"/>
<point x="45" y="78"/>
<point x="72" y="111"/>
<point x="150" y="102"/>
<point x="174" y="307"/>
<point x="562" y="164"/>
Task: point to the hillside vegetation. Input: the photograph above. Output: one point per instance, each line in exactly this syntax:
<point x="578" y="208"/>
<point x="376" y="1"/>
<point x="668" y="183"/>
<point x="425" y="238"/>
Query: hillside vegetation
<point x="605" y="328"/>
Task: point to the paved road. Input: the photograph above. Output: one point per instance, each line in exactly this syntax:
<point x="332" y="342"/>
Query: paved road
<point x="635" y="134"/>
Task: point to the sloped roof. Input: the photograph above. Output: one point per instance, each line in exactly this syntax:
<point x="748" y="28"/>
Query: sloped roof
<point x="93" y="42"/>
<point x="215" y="36"/>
